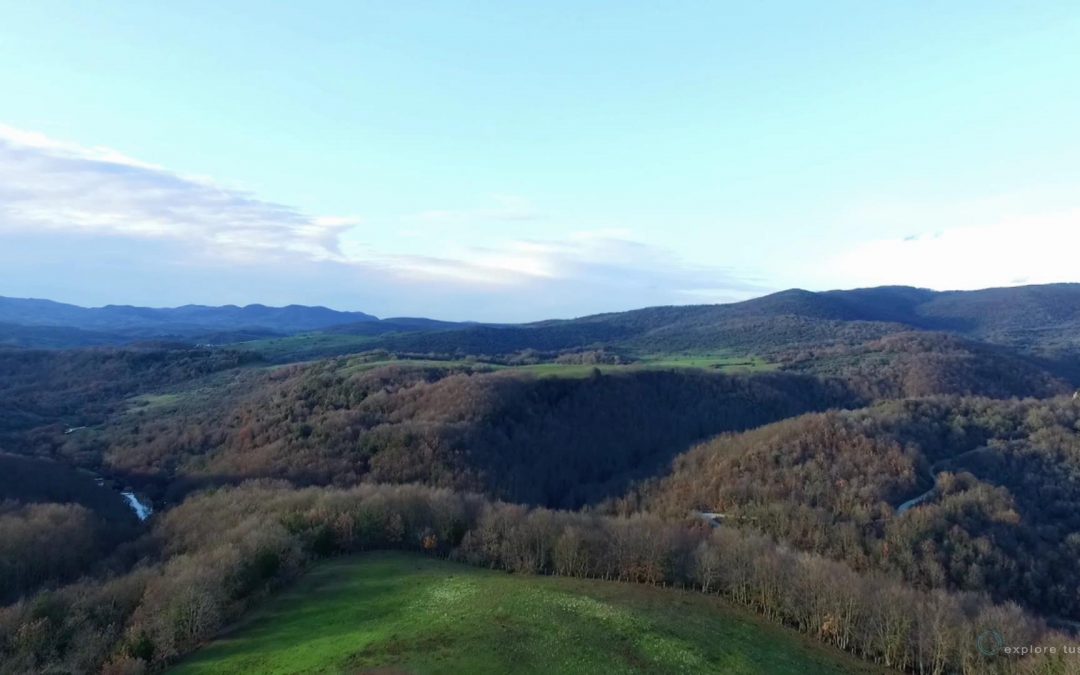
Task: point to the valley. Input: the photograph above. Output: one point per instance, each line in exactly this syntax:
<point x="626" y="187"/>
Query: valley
<point x="894" y="455"/>
<point x="443" y="338"/>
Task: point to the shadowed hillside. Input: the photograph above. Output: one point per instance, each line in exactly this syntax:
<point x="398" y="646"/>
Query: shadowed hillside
<point x="552" y="441"/>
<point x="56" y="524"/>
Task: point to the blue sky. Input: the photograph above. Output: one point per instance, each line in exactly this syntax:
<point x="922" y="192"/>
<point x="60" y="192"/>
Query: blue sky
<point x="514" y="161"/>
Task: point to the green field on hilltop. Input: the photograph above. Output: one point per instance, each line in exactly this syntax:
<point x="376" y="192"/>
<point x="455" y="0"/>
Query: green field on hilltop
<point x="359" y="365"/>
<point x="313" y="346"/>
<point x="723" y="363"/>
<point x="716" y="363"/>
<point x="395" y="612"/>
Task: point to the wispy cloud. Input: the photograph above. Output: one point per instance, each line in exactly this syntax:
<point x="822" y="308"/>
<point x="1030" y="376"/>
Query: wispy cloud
<point x="52" y="192"/>
<point x="610" y="259"/>
<point x="51" y="185"/>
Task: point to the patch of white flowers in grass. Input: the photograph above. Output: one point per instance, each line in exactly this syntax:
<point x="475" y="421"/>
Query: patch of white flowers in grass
<point x="677" y="655"/>
<point x="594" y="609"/>
<point x="446" y="599"/>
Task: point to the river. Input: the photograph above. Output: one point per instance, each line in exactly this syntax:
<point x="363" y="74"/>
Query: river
<point x="142" y="510"/>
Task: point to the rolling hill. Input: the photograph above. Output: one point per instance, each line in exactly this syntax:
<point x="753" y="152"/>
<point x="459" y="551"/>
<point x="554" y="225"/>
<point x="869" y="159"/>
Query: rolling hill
<point x="557" y="441"/>
<point x="392" y="612"/>
<point x="1040" y="319"/>
<point x="1043" y="321"/>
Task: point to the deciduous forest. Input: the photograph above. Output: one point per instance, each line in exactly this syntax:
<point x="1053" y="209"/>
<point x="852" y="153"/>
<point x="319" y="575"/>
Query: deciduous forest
<point x="887" y="480"/>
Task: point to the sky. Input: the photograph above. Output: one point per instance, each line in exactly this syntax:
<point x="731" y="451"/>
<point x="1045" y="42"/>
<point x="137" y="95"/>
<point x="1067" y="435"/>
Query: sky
<point x="504" y="161"/>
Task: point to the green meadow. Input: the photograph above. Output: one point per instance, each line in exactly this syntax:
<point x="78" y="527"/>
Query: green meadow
<point x="312" y="346"/>
<point x="393" y="612"/>
<point x="713" y="362"/>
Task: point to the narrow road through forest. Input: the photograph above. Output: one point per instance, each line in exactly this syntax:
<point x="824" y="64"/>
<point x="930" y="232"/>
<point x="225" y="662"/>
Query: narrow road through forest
<point x="935" y="470"/>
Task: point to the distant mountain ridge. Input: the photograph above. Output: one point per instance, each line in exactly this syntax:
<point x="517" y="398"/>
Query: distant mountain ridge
<point x="110" y="318"/>
<point x="1042" y="321"/>
<point x="967" y="311"/>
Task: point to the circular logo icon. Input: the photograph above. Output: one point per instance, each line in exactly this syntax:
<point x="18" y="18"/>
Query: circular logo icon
<point x="989" y="643"/>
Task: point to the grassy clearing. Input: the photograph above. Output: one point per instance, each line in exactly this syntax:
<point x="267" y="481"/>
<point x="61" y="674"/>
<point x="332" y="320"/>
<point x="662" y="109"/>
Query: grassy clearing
<point x="722" y="362"/>
<point x="193" y="394"/>
<point x="716" y="363"/>
<point x="713" y="362"/>
<point x="153" y="402"/>
<point x="313" y="346"/>
<point x="394" y="612"/>
<point x="360" y="365"/>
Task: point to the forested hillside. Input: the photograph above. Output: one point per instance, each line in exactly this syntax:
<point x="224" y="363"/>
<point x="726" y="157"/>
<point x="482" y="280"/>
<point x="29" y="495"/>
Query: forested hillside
<point x="44" y="393"/>
<point x="890" y="453"/>
<point x="1041" y="320"/>
<point x="173" y="419"/>
<point x="1001" y="481"/>
<point x="550" y="441"/>
<point x="907" y="365"/>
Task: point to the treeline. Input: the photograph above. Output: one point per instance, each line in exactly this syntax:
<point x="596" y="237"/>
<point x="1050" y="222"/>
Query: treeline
<point x="210" y="558"/>
<point x="1038" y="321"/>
<point x="524" y="357"/>
<point x="558" y="442"/>
<point x="1001" y="479"/>
<point x="761" y="326"/>
<point x="56" y="524"/>
<point x="495" y="340"/>
<point x="654" y="330"/>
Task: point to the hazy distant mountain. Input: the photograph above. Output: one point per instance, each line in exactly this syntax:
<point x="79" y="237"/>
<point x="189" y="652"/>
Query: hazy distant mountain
<point x="1043" y="321"/>
<point x="55" y="337"/>
<point x="989" y="311"/>
<point x="187" y="319"/>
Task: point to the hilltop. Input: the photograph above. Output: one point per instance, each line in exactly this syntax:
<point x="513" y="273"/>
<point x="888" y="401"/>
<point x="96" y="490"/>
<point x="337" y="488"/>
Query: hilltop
<point x="1040" y="319"/>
